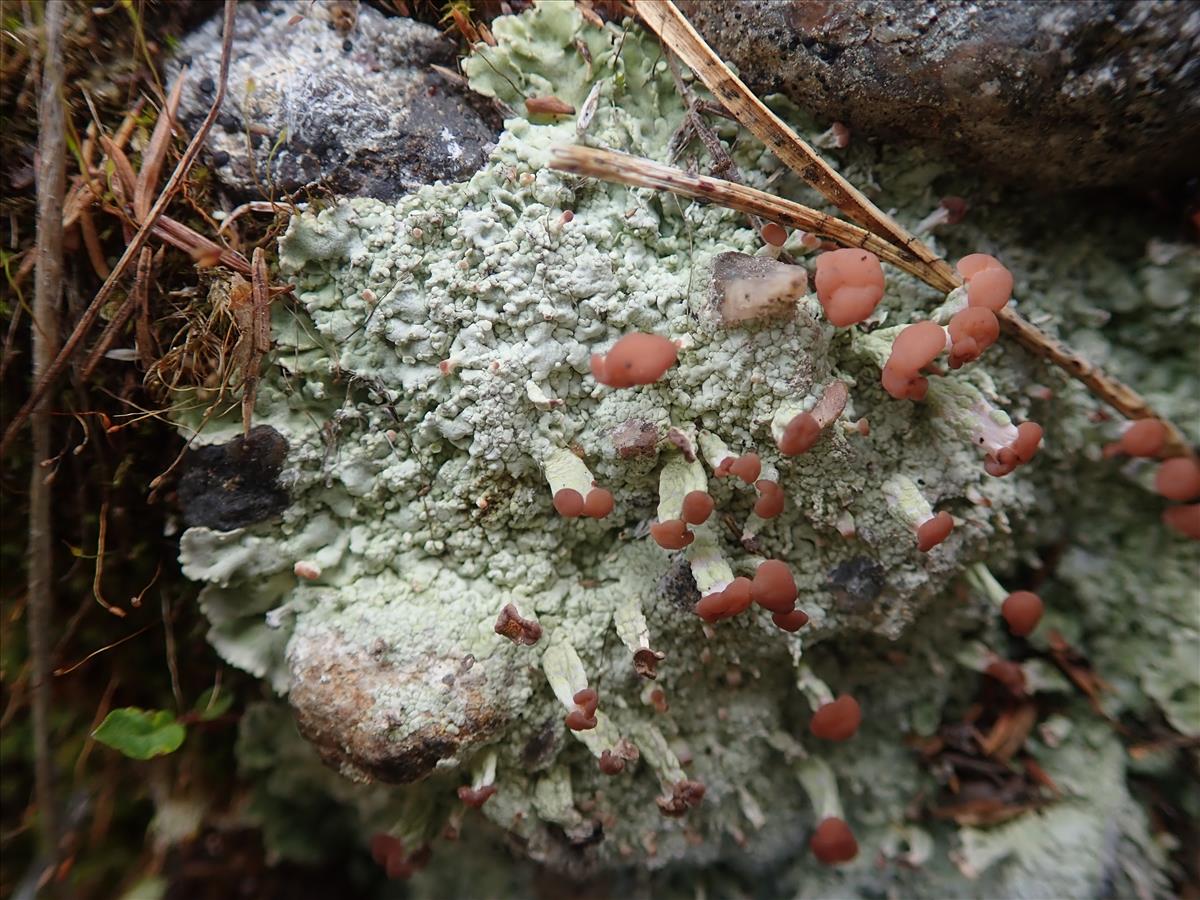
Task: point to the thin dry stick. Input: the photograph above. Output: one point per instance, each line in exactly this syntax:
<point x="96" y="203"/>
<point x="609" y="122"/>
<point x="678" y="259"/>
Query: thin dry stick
<point x="98" y="576"/>
<point x="141" y="286"/>
<point x="52" y="186"/>
<point x="682" y="39"/>
<point x="638" y="172"/>
<point x="56" y="368"/>
<point x="677" y="34"/>
<point x="635" y="171"/>
<point x="156" y="152"/>
<point x="256" y="335"/>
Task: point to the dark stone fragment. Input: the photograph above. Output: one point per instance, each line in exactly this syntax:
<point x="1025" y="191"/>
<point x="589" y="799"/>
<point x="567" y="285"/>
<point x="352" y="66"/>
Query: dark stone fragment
<point x="220" y="158"/>
<point x="206" y="85"/>
<point x="856" y="583"/>
<point x="232" y="485"/>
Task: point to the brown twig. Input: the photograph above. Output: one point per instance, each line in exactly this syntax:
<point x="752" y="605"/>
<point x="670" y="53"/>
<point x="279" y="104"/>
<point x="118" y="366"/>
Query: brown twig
<point x="147" y="346"/>
<point x="634" y="171"/>
<point x="254" y="323"/>
<point x="680" y="38"/>
<point x="156" y="152"/>
<point x="168" y="620"/>
<point x="124" y="313"/>
<point x="55" y="370"/>
<point x="98" y="576"/>
<point x="677" y="34"/>
<point x="51" y="188"/>
<point x="91" y="241"/>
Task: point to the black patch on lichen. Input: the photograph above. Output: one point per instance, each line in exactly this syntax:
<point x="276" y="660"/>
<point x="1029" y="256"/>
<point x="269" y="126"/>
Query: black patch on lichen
<point x="232" y="485"/>
<point x="539" y="750"/>
<point x="856" y="583"/>
<point x="677" y="585"/>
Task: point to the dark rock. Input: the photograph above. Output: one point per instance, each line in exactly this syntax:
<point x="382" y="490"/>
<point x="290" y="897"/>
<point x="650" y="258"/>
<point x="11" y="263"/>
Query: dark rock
<point x="362" y="117"/>
<point x="856" y="583"/>
<point x="1056" y="93"/>
<point x="232" y="485"/>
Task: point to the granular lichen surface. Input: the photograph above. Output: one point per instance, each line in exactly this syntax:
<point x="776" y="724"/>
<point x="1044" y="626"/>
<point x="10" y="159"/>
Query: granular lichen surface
<point x="432" y="381"/>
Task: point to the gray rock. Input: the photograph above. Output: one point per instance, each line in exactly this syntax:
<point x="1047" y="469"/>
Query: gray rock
<point x="358" y="110"/>
<point x="1042" y="92"/>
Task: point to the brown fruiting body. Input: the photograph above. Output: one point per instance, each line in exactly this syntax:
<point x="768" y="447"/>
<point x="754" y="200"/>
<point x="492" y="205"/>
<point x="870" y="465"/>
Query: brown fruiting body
<point x="1022" y="610"/>
<point x="934" y="530"/>
<point x="599" y="503"/>
<point x="915" y="347"/>
<point x="610" y="764"/>
<point x="568" y="503"/>
<point x="697" y="507"/>
<point x="799" y="435"/>
<point x="770" y="499"/>
<point x="1023" y="448"/>
<point x="476" y="797"/>
<point x="671" y="534"/>
<point x="1184" y="519"/>
<point x="1178" y="479"/>
<point x="1143" y="438"/>
<point x="519" y="630"/>
<point x="583" y="716"/>
<point x="805" y="428"/>
<point x="774" y="234"/>
<point x="637" y="358"/>
<point x="972" y="330"/>
<point x="684" y="796"/>
<point x="734" y="599"/>
<point x="849" y="285"/>
<point x="833" y="842"/>
<point x="645" y="662"/>
<point x="837" y="720"/>
<point x="773" y="587"/>
<point x="746" y="467"/>
<point x="1008" y="673"/>
<point x="790" y="621"/>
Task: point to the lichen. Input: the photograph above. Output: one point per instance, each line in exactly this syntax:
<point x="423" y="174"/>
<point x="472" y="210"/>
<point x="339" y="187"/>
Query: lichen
<point x="432" y="382"/>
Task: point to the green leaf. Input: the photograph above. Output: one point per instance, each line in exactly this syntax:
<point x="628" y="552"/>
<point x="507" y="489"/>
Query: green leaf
<point x="208" y="708"/>
<point x="140" y="733"/>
